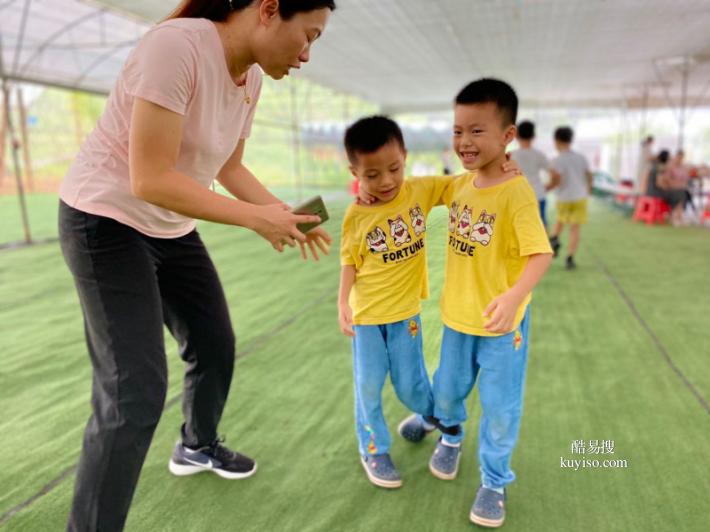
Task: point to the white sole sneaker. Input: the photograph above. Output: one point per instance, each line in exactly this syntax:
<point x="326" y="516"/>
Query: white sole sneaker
<point x="182" y="470"/>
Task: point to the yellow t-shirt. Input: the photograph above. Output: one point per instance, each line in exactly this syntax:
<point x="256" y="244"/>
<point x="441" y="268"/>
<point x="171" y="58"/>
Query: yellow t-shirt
<point x="491" y="233"/>
<point x="385" y="243"/>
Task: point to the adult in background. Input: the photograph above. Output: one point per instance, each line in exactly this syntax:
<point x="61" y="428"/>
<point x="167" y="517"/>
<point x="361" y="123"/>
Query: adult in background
<point x="177" y="118"/>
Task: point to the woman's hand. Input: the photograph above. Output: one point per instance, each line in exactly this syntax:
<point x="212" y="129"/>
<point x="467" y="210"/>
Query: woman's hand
<point x="316" y="237"/>
<point x="277" y="224"/>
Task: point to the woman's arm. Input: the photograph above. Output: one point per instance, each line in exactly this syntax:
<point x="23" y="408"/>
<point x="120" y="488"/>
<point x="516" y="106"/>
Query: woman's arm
<point x="241" y="183"/>
<point x="154" y="144"/>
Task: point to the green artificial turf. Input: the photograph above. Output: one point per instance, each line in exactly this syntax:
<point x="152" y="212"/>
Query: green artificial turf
<point x="595" y="373"/>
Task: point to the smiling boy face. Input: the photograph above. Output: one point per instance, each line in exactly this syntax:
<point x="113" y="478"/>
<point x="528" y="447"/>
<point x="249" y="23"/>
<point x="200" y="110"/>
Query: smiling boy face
<point x="479" y="136"/>
<point x="381" y="173"/>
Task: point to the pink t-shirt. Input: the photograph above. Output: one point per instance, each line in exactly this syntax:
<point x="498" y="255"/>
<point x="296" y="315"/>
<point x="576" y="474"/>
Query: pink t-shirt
<point x="180" y="65"/>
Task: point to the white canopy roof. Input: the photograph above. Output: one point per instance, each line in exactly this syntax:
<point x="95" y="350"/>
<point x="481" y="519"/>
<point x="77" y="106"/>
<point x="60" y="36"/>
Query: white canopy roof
<point x="65" y="43"/>
<point x="415" y="54"/>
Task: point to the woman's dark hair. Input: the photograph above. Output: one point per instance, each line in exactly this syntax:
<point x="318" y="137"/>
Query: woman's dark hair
<point x="219" y="10"/>
<point x="663" y="156"/>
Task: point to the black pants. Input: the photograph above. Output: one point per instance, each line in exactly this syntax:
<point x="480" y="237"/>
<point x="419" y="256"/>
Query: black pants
<point x="129" y="284"/>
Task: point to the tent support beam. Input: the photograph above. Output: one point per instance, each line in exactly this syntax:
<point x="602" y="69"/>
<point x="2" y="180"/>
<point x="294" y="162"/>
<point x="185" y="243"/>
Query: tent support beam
<point x="15" y="145"/>
<point x="26" y="157"/>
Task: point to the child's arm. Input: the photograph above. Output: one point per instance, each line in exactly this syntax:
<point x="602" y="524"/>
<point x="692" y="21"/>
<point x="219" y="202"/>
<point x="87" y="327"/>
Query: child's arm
<point x="502" y="309"/>
<point x="590" y="181"/>
<point x="555" y="180"/>
<point x="345" y="313"/>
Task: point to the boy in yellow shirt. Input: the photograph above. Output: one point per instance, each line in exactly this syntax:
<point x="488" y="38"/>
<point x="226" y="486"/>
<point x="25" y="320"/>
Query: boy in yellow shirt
<point x="497" y="252"/>
<point x="383" y="279"/>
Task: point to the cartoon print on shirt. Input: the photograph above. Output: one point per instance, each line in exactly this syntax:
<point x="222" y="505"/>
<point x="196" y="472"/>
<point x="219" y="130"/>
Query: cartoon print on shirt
<point x="453" y="216"/>
<point x="464" y="227"/>
<point x="377" y="240"/>
<point x="417" y="216"/>
<point x="483" y="228"/>
<point x="399" y="231"/>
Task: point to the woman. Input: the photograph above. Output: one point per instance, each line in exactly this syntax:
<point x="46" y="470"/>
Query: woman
<point x="675" y="182"/>
<point x="651" y="184"/>
<point x="177" y="118"/>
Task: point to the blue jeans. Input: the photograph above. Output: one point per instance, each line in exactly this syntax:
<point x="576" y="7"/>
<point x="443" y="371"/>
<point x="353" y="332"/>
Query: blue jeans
<point x="499" y="363"/>
<point x="542" y="204"/>
<point x="378" y="349"/>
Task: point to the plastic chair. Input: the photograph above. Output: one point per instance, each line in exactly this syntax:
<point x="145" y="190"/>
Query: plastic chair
<point x="651" y="210"/>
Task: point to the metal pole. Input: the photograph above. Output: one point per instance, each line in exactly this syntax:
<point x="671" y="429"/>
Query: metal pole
<point x="644" y="110"/>
<point x="619" y="143"/>
<point x="29" y="174"/>
<point x="683" y="102"/>
<point x="15" y="147"/>
<point x="16" y="161"/>
<point x="2" y="144"/>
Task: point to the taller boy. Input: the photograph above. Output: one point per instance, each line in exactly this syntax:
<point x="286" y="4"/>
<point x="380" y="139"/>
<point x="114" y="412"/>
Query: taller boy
<point x="497" y="252"/>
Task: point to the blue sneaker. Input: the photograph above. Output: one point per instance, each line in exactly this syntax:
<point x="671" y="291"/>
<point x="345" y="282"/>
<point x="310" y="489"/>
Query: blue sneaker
<point x="214" y="457"/>
<point x="488" y="509"/>
<point x="444" y="463"/>
<point x="381" y="471"/>
<point x="414" y="428"/>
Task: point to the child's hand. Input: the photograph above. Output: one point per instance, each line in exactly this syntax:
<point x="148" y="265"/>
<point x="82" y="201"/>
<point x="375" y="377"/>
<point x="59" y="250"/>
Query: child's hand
<point x="510" y="167"/>
<point x="363" y="198"/>
<point x="501" y="312"/>
<point x="345" y="319"/>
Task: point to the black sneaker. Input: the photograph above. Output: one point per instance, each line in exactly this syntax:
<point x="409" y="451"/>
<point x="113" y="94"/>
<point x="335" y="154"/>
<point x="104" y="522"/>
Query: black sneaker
<point x="214" y="457"/>
<point x="555" y="243"/>
<point x="570" y="264"/>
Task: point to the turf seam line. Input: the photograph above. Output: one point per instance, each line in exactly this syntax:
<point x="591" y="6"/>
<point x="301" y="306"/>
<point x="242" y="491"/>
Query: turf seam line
<point x="659" y="345"/>
<point x="253" y="346"/>
<point x="41" y="493"/>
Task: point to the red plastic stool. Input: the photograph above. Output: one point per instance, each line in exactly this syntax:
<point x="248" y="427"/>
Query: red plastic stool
<point x="354" y="187"/>
<point x="706" y="214"/>
<point x="651" y="210"/>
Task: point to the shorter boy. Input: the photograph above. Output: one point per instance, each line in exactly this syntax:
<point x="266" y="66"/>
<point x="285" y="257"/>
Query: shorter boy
<point x="532" y="162"/>
<point x="383" y="279"/>
<point x="573" y="181"/>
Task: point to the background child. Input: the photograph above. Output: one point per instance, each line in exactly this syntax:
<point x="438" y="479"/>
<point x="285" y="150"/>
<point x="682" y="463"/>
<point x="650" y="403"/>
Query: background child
<point x="532" y="163"/>
<point x="497" y="252"/>
<point x="573" y="181"/>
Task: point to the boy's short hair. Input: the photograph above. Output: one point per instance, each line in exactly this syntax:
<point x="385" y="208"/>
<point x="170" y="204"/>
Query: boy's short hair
<point x="564" y="134"/>
<point x="526" y="130"/>
<point x="489" y="90"/>
<point x="369" y="134"/>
